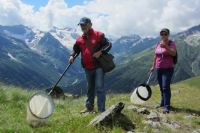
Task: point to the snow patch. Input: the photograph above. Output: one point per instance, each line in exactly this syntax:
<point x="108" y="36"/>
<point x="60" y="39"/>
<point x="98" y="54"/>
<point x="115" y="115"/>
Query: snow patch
<point x="75" y="81"/>
<point x="193" y="40"/>
<point x="12" y="57"/>
<point x="22" y="37"/>
<point x="34" y="42"/>
<point x="64" y="36"/>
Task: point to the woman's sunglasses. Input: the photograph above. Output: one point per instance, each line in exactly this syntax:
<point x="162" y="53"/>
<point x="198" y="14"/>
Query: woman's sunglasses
<point x="163" y="34"/>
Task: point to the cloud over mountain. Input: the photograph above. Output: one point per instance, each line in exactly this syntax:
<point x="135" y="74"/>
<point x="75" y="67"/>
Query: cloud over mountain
<point x="114" y="17"/>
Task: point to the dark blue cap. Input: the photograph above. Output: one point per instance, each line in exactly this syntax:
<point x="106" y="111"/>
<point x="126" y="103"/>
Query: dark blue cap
<point x="84" y="20"/>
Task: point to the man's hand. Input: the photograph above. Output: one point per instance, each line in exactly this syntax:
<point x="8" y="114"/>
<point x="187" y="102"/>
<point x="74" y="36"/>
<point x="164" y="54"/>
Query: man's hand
<point x="97" y="54"/>
<point x="71" y="60"/>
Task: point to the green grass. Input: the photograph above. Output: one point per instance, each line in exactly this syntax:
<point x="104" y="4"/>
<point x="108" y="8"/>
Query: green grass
<point x="66" y="118"/>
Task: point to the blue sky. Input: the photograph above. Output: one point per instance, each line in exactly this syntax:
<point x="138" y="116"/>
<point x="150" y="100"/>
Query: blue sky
<point x="38" y="3"/>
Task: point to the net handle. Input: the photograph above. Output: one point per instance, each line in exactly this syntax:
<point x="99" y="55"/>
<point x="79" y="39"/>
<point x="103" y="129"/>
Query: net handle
<point x="62" y="75"/>
<point x="149" y="78"/>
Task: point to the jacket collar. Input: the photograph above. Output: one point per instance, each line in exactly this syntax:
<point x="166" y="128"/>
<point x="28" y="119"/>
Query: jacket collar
<point x="85" y="35"/>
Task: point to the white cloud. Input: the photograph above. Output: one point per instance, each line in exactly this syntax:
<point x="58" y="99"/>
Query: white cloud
<point x="114" y="17"/>
<point x="14" y="12"/>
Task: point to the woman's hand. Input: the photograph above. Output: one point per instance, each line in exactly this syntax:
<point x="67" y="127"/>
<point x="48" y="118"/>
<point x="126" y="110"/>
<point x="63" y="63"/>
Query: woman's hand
<point x="164" y="44"/>
<point x="152" y="69"/>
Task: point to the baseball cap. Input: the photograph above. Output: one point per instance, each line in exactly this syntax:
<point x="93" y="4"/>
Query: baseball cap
<point x="165" y="30"/>
<point x="84" y="20"/>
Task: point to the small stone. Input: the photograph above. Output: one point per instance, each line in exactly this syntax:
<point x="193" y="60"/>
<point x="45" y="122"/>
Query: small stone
<point x="143" y="111"/>
<point x="196" y="131"/>
<point x="153" y="124"/>
<point x="176" y="125"/>
<point x="153" y="116"/>
<point x="188" y="117"/>
<point x="156" y="124"/>
<point x="176" y="91"/>
<point x="172" y="125"/>
<point x="130" y="132"/>
<point x="133" y="108"/>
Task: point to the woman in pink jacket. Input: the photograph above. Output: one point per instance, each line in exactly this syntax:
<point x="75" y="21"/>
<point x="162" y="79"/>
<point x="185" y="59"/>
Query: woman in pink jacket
<point x="164" y="65"/>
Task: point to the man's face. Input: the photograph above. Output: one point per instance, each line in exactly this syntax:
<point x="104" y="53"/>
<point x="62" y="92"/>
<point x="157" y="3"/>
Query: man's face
<point x="85" y="27"/>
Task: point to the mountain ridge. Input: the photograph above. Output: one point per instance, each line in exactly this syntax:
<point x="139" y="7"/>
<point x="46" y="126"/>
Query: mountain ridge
<point x="45" y="53"/>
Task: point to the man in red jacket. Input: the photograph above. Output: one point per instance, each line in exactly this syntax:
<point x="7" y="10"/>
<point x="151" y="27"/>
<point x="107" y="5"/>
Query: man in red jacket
<point x="91" y="45"/>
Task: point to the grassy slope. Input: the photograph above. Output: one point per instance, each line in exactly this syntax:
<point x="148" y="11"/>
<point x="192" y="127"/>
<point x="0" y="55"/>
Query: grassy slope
<point x="66" y="118"/>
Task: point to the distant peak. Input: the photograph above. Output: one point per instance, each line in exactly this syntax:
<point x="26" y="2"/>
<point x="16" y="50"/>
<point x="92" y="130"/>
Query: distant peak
<point x="55" y="29"/>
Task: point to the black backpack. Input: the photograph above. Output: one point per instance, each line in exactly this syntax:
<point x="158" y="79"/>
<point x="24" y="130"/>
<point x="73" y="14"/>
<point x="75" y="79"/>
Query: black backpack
<point x="175" y="58"/>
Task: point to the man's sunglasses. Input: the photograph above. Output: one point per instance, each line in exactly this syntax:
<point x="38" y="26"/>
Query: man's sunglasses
<point x="83" y="25"/>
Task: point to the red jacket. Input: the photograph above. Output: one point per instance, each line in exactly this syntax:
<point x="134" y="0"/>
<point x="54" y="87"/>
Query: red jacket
<point x="97" y="41"/>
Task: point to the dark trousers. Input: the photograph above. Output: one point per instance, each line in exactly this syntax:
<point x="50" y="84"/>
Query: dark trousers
<point x="164" y="76"/>
<point x="95" y="84"/>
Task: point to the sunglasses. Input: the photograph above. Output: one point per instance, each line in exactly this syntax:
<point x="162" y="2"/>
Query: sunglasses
<point x="163" y="34"/>
<point x="83" y="25"/>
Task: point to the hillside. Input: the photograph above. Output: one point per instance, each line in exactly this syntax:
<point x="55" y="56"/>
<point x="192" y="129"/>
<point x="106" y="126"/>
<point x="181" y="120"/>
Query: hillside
<point x="31" y="58"/>
<point x="133" y="70"/>
<point x="34" y="59"/>
<point x="66" y="118"/>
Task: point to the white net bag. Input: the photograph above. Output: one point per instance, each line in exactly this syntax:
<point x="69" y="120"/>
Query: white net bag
<point x="41" y="106"/>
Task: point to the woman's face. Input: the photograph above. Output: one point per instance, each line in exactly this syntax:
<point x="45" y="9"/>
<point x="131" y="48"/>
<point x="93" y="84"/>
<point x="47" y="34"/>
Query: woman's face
<point x="164" y="36"/>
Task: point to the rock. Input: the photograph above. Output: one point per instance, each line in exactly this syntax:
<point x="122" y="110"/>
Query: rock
<point x="143" y="111"/>
<point x="133" y="108"/>
<point x="188" y="117"/>
<point x="176" y="91"/>
<point x="71" y="95"/>
<point x="196" y="131"/>
<point x="176" y="125"/>
<point x="113" y="117"/>
<point x="172" y="125"/>
<point x="156" y="124"/>
<point x="153" y="116"/>
<point x="138" y="110"/>
<point x="156" y="130"/>
<point x="56" y="93"/>
<point x="108" y="114"/>
<point x="153" y="124"/>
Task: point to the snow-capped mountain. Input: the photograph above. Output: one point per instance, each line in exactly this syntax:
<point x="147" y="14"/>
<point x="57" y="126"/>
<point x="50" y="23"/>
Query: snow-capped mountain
<point x="191" y="36"/>
<point x="127" y="46"/>
<point x="66" y="36"/>
<point x="193" y="39"/>
<point x="31" y="36"/>
<point x="33" y="58"/>
<point x="44" y="54"/>
<point x="19" y="32"/>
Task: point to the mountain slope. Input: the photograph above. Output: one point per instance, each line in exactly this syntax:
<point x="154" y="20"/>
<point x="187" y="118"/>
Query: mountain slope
<point x="33" y="58"/>
<point x="66" y="118"/>
<point x="128" y="45"/>
<point x="133" y="70"/>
